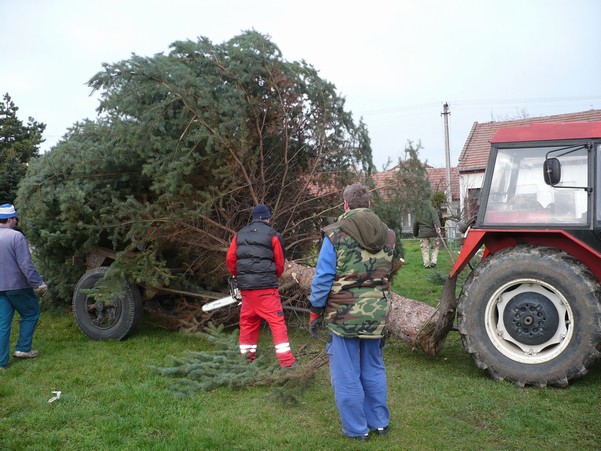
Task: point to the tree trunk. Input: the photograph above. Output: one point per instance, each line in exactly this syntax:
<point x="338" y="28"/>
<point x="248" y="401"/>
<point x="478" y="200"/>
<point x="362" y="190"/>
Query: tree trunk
<point x="421" y="326"/>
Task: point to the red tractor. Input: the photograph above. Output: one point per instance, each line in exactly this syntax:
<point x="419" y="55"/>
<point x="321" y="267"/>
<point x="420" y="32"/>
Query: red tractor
<point x="530" y="311"/>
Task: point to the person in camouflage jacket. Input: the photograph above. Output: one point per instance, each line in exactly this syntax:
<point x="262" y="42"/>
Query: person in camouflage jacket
<point x="351" y="291"/>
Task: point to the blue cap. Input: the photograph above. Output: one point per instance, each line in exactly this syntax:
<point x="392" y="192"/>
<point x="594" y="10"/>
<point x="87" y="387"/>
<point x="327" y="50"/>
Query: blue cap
<point x="8" y="211"/>
<point x="260" y="211"/>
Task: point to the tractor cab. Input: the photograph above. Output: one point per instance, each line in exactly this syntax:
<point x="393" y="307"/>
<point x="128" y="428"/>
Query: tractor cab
<point x="540" y="185"/>
<point x="541" y="176"/>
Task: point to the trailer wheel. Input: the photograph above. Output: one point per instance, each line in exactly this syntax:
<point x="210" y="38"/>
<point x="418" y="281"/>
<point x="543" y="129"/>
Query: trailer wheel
<point x="113" y="320"/>
<point x="531" y="315"/>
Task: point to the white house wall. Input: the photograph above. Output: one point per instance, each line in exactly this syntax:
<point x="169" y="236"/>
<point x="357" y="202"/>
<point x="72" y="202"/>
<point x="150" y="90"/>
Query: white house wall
<point x="469" y="181"/>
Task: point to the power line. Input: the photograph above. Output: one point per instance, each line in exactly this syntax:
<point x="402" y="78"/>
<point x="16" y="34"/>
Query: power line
<point x="485" y="102"/>
<point x="526" y="100"/>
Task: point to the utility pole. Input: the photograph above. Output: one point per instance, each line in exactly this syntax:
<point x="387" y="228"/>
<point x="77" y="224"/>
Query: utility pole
<point x="449" y="191"/>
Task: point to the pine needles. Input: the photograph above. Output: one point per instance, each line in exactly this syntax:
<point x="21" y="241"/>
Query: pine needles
<point x="225" y="367"/>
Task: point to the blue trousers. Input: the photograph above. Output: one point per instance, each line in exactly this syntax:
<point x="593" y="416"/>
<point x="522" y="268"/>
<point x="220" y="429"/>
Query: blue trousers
<point x="359" y="380"/>
<point x="26" y="303"/>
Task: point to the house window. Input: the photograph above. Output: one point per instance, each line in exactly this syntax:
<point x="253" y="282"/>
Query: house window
<point x="471" y="207"/>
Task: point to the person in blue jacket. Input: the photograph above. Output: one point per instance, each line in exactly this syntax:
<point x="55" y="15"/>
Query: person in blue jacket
<point x="18" y="279"/>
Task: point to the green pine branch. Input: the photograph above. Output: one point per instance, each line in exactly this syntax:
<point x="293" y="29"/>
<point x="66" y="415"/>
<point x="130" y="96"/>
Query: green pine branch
<point x="225" y="367"/>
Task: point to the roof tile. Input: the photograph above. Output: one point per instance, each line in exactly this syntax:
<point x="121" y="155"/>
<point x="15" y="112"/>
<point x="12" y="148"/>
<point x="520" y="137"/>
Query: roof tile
<point x="436" y="176"/>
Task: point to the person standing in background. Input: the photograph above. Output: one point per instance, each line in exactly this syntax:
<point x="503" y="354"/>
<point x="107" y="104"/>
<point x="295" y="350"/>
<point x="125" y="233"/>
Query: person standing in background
<point x="426" y="227"/>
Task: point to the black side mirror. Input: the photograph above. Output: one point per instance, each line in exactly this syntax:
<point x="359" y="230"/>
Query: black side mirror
<point x="552" y="171"/>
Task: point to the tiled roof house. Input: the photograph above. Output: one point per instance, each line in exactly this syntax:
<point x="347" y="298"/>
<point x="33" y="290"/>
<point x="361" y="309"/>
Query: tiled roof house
<point x="436" y="176"/>
<point x="474" y="155"/>
<point x="438" y="181"/>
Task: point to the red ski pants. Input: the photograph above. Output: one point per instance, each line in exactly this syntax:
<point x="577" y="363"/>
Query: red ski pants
<point x="264" y="304"/>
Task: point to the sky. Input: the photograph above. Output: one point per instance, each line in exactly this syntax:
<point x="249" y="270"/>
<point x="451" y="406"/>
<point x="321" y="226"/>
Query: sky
<point x="395" y="62"/>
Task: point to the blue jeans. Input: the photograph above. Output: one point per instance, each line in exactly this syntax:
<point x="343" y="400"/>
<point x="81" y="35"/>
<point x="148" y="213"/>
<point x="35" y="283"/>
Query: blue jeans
<point x="26" y="303"/>
<point x="359" y="380"/>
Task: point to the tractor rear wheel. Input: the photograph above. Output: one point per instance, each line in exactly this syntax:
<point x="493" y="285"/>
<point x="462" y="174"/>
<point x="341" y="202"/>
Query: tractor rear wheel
<point x="531" y="315"/>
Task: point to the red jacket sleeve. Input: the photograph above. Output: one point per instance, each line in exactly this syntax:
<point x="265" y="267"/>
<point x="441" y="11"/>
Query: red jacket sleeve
<point x="231" y="259"/>
<point x="278" y="256"/>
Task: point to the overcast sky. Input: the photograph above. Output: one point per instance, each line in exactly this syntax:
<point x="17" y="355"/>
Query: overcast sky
<point x="395" y="62"/>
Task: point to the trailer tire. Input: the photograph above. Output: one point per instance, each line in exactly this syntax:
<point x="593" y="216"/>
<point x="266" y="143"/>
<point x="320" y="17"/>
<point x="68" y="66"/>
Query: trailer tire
<point x="531" y="315"/>
<point x="106" y="321"/>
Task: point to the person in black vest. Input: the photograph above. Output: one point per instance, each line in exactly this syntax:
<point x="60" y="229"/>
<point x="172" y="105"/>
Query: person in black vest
<point x="256" y="258"/>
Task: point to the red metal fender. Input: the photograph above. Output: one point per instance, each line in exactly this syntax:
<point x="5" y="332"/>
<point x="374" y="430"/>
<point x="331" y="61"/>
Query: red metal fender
<point x="494" y="240"/>
<point x="472" y="242"/>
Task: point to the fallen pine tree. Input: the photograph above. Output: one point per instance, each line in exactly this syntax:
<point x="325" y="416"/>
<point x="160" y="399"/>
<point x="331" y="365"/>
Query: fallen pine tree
<point x="418" y="324"/>
<point x="184" y="145"/>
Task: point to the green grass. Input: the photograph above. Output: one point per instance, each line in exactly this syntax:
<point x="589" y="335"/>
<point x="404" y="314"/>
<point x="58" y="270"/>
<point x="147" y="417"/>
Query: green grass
<point x="112" y="400"/>
<point x="416" y="282"/>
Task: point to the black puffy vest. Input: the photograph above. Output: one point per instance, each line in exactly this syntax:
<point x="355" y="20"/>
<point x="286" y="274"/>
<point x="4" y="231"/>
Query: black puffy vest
<point x="255" y="263"/>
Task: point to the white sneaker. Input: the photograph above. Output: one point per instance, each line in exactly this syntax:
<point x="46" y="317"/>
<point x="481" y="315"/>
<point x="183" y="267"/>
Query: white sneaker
<point x="26" y="355"/>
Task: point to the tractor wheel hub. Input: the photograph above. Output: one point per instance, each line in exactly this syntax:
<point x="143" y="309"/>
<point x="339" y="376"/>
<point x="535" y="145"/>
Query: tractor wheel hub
<point x="531" y="318"/>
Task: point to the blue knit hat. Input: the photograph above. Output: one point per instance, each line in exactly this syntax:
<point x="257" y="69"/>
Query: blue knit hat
<point x="260" y="211"/>
<point x="8" y="211"/>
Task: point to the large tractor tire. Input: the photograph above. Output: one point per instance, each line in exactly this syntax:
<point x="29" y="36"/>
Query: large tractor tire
<point x="114" y="320"/>
<point x="531" y="315"/>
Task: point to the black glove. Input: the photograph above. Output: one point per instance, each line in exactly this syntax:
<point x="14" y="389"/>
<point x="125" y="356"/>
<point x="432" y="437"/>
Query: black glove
<point x="315" y="320"/>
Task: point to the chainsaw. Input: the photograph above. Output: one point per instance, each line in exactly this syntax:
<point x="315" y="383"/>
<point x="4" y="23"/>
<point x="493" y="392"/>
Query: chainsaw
<point x="235" y="296"/>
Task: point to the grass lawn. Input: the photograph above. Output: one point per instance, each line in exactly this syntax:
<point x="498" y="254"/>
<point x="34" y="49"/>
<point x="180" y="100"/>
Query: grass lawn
<point x="112" y="400"/>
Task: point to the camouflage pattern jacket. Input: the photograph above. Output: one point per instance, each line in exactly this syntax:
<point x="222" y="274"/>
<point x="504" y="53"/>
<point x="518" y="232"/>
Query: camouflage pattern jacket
<point x="358" y="304"/>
